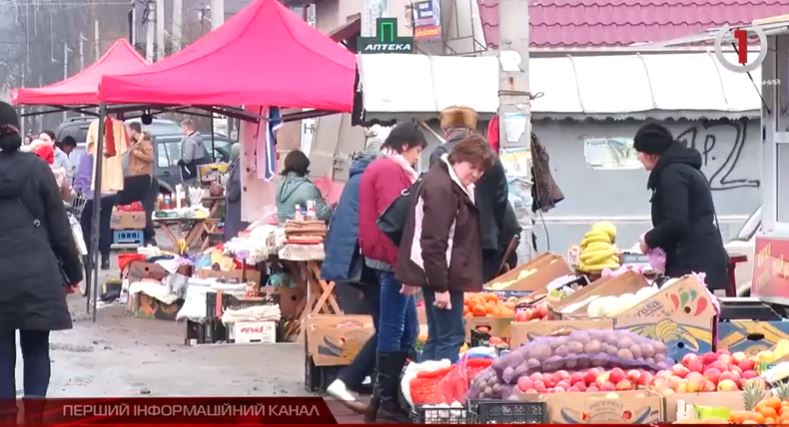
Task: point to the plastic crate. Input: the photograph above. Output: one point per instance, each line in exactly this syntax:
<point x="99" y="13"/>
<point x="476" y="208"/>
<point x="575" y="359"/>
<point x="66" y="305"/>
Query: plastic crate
<point x="508" y="412"/>
<point x="428" y="415"/>
<point x="127" y="237"/>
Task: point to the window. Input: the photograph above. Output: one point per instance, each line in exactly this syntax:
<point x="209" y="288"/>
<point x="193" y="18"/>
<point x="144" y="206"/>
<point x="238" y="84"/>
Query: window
<point x="610" y="153"/>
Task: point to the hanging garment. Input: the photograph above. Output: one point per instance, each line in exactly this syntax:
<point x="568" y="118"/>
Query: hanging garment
<point x="493" y="133"/>
<point x="116" y="144"/>
<point x="266" y="144"/>
<point x="545" y="192"/>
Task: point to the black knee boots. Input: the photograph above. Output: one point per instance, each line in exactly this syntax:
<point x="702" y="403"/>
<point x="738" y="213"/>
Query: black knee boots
<point x="385" y="402"/>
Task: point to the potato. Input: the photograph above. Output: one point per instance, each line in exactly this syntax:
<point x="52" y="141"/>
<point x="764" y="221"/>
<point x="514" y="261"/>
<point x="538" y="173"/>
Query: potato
<point x="611" y="349"/>
<point x="571" y="363"/>
<point x="592" y="347"/>
<point x="581" y="337"/>
<point x="540" y="352"/>
<point x="625" y="342"/>
<point x="562" y="351"/>
<point x="636" y="350"/>
<point x="660" y="357"/>
<point x="660" y="348"/>
<point x="575" y="347"/>
<point x="508" y="373"/>
<point x="647" y="349"/>
<point x="625" y="354"/>
<point x="599" y="359"/>
<point x="583" y="363"/>
<point x="533" y="364"/>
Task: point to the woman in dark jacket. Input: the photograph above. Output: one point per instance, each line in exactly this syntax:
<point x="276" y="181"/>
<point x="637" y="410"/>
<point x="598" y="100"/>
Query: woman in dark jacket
<point x="344" y="265"/>
<point x="233" y="223"/>
<point x="683" y="213"/>
<point x="35" y="241"/>
<point x="440" y="250"/>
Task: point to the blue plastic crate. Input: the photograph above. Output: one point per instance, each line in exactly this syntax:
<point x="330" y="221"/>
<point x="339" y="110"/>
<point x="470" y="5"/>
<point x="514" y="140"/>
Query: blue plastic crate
<point x="126" y="237"/>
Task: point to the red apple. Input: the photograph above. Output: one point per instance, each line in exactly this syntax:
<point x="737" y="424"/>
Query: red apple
<point x="695" y="365"/>
<point x="563" y="374"/>
<point x="646" y="379"/>
<point x="709" y="386"/>
<point x="712" y="374"/>
<point x="573" y="389"/>
<point x="525" y="383"/>
<point x="565" y="384"/>
<point x="607" y="386"/>
<point x="746" y="365"/>
<point x="592" y="389"/>
<point x="688" y="358"/>
<point x="680" y="370"/>
<point x="624" y="385"/>
<point x="542" y="310"/>
<point x="539" y="385"/>
<point x="746" y="375"/>
<point x="558" y="389"/>
<point x="581" y="386"/>
<point x="725" y="359"/>
<point x="739" y="356"/>
<point x="736" y="369"/>
<point x="709" y="357"/>
<point x="617" y="374"/>
<point x="731" y="376"/>
<point x="602" y="378"/>
<point x="590" y="376"/>
<point x="633" y="375"/>
<point x="719" y="366"/>
<point x="727" y="385"/>
<point x="537" y="376"/>
<point x="576" y="377"/>
<point x="531" y="391"/>
<point x="695" y="382"/>
<point x="549" y="381"/>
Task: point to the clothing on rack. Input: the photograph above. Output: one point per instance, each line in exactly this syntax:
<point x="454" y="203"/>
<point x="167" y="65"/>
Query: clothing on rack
<point x="116" y="144"/>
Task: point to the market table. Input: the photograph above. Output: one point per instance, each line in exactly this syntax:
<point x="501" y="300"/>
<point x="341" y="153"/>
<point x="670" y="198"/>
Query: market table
<point x="199" y="230"/>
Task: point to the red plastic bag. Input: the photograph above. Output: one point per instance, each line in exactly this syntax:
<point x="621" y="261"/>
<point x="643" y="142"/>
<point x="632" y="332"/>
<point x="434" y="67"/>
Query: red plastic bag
<point x="424" y="387"/>
<point x="455" y="384"/>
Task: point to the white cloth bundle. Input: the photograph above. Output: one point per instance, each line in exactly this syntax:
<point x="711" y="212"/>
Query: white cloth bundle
<point x="257" y="313"/>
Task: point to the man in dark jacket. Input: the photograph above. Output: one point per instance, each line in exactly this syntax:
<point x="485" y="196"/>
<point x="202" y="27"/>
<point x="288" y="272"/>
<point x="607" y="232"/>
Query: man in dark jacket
<point x="491" y="193"/>
<point x="683" y="213"/>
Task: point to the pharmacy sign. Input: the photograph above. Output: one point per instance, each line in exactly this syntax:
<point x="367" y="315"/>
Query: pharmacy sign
<point x="386" y="39"/>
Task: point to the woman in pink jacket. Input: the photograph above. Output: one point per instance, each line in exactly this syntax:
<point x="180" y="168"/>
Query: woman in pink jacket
<point x="383" y="181"/>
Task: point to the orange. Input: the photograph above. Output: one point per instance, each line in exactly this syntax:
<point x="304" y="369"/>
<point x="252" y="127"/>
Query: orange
<point x="773" y="402"/>
<point x="759" y="417"/>
<point x="768" y="412"/>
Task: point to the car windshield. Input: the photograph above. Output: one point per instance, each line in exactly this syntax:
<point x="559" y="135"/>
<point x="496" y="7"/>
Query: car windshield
<point x="169" y="150"/>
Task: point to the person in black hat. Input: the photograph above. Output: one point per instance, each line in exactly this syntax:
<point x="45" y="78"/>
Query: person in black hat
<point x="684" y="222"/>
<point x="39" y="262"/>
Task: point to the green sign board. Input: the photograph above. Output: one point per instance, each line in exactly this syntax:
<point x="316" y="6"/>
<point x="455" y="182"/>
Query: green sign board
<point x="386" y="39"/>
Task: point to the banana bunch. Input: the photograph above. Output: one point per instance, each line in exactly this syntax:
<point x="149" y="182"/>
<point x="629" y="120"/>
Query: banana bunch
<point x="597" y="249"/>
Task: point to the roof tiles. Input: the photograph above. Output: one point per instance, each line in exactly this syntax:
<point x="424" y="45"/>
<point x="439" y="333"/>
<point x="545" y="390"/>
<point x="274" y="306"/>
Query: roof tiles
<point x="612" y="23"/>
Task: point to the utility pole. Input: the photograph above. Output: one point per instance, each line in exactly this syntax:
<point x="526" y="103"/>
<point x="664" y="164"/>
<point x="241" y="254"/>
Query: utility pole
<point x="66" y="50"/>
<point x="159" y="29"/>
<point x="178" y="13"/>
<point x="514" y="96"/>
<point x="149" y="29"/>
<point x="82" y="41"/>
<point x="96" y="39"/>
<point x="217" y="13"/>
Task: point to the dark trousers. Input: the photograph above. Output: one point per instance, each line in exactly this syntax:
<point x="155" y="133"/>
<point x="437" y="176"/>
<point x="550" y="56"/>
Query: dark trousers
<point x="105" y="232"/>
<point x="35" y="353"/>
<point x="445" y="328"/>
<point x="364" y="362"/>
<point x="143" y="189"/>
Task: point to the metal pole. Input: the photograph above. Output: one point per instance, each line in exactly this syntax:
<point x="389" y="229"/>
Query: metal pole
<point x="178" y="10"/>
<point x="149" y="30"/>
<point x="217" y="13"/>
<point x="514" y="96"/>
<point x="96" y="214"/>
<point x="159" y="29"/>
<point x="213" y="142"/>
<point x="65" y="72"/>
<point x="97" y="45"/>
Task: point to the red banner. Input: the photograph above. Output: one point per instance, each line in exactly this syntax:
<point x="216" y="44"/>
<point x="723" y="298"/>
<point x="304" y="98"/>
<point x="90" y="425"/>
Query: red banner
<point x="168" y="411"/>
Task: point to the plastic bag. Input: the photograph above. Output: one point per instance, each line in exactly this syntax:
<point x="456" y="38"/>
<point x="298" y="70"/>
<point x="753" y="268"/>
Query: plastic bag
<point x="580" y="350"/>
<point x="454" y="386"/>
<point x="657" y="259"/>
<point x="424" y="388"/>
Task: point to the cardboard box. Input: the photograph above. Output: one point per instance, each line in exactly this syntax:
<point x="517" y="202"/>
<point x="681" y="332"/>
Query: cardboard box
<point x="574" y="306"/>
<point x="138" y="271"/>
<point x="498" y="327"/>
<point x="523" y="332"/>
<point x="532" y="276"/>
<point x="289" y="299"/>
<point x="334" y="340"/>
<point x="751" y="336"/>
<point x="127" y="220"/>
<point x="254" y="332"/>
<point x="729" y="399"/>
<point x="207" y="273"/>
<point x="142" y="305"/>
<point x="629" y="407"/>
<point x="681" y="315"/>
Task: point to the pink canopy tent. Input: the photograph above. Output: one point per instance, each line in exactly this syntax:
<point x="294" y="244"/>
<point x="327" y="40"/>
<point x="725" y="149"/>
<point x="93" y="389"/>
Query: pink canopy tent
<point x="83" y="87"/>
<point x="265" y="55"/>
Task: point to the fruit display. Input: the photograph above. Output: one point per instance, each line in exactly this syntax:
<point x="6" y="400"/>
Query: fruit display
<point x="597" y="250"/>
<point x="577" y="352"/>
<point x="610" y="306"/>
<point x="779" y="352"/>
<point x="487" y="305"/>
<point x="762" y="407"/>
<point x="591" y="380"/>
<point x="535" y="312"/>
<point x="706" y="373"/>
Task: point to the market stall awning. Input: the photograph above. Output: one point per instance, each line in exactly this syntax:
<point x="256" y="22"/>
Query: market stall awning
<point x="691" y="85"/>
<point x="83" y="87"/>
<point x="419" y="86"/>
<point x="264" y="55"/>
<point x="652" y="85"/>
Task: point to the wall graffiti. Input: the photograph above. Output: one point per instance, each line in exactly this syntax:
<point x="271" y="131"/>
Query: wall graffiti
<point x="721" y="144"/>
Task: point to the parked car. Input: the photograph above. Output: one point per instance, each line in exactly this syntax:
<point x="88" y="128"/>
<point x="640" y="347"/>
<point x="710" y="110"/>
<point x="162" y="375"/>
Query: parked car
<point x="162" y="131"/>
<point x="167" y="152"/>
<point x="744" y="244"/>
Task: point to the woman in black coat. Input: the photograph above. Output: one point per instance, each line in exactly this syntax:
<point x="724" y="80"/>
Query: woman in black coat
<point x="683" y="213"/>
<point x="36" y="251"/>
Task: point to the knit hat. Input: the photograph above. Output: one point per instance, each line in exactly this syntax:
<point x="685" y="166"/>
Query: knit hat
<point x="652" y="139"/>
<point x="46" y="152"/>
<point x="458" y="117"/>
<point x="10" y="139"/>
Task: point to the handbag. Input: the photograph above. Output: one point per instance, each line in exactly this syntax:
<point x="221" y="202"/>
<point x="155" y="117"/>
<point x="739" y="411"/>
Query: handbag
<point x="392" y="220"/>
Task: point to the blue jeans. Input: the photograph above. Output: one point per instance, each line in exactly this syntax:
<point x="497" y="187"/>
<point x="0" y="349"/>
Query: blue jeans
<point x="35" y="354"/>
<point x="445" y="328"/>
<point x="398" y="326"/>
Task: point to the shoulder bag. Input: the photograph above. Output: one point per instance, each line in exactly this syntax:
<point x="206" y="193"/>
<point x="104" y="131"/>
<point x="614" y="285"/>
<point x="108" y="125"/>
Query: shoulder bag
<point x="392" y="220"/>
